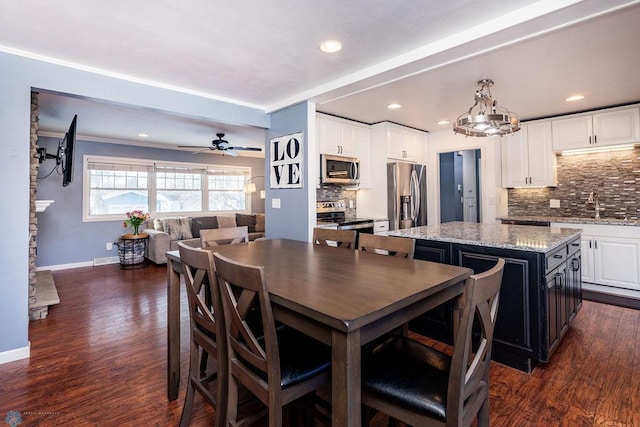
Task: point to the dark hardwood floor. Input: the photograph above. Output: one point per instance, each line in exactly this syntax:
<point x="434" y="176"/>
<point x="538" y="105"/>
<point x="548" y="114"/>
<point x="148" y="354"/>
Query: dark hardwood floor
<point x="100" y="359"/>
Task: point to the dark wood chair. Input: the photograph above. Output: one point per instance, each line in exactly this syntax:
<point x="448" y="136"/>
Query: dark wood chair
<point x="337" y="238"/>
<point x="387" y="245"/>
<point x="208" y="335"/>
<point x="421" y="386"/>
<point x="277" y="365"/>
<point x="213" y="237"/>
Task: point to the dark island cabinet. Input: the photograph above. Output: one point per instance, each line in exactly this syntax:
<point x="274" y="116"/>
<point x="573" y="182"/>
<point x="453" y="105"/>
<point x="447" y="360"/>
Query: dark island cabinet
<point x="540" y="295"/>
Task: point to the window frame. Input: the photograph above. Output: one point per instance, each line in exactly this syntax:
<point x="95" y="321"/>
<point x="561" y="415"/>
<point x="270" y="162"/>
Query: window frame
<point x="245" y="171"/>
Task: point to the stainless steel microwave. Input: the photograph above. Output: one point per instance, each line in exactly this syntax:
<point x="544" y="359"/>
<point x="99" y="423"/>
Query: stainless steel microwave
<point x="339" y="170"/>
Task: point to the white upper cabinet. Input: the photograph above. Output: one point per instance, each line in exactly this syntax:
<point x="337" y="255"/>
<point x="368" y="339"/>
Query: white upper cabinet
<point x="404" y="143"/>
<point x="527" y="157"/>
<point x="604" y="129"/>
<point x="342" y="137"/>
<point x="336" y="137"/>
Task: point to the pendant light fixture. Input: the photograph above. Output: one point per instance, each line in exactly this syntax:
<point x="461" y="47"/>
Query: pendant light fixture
<point x="487" y="119"/>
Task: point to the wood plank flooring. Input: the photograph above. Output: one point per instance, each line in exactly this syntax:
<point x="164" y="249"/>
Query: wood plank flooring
<point x="99" y="359"/>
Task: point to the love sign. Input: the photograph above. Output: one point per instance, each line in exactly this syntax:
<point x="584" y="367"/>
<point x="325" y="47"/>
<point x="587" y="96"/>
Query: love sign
<point x="286" y="162"/>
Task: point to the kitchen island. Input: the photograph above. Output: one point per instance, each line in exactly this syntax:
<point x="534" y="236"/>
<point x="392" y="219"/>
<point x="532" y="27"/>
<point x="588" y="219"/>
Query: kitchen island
<point x="541" y="288"/>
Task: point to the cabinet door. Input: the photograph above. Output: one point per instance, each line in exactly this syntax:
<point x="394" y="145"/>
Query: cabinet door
<point x="574" y="285"/>
<point x="557" y="316"/>
<point x="396" y="144"/>
<point x="327" y="132"/>
<point x="515" y="169"/>
<point x="541" y="159"/>
<point x="617" y="262"/>
<point x="363" y="141"/>
<point x="588" y="267"/>
<point x="617" y="127"/>
<point x="574" y="132"/>
<point x="347" y="139"/>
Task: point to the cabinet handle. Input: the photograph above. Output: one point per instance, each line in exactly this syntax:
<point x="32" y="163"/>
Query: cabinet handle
<point x="575" y="264"/>
<point x="595" y="242"/>
<point x="589" y="140"/>
<point x="558" y="280"/>
<point x="595" y="139"/>
<point x="575" y="244"/>
<point x="557" y="256"/>
<point x="589" y="244"/>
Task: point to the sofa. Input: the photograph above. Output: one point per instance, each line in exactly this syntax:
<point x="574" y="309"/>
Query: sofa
<point x="165" y="233"/>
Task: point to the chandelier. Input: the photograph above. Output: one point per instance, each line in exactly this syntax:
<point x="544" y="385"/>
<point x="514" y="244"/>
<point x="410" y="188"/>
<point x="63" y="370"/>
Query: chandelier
<point x="487" y="119"/>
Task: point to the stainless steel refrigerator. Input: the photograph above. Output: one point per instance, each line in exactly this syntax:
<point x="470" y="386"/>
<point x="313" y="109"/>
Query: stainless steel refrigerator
<point x="407" y="195"/>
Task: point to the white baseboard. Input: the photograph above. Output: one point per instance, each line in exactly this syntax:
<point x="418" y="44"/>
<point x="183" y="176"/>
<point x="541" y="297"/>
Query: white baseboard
<point x="15" y="354"/>
<point x="107" y="260"/>
<point x="66" y="266"/>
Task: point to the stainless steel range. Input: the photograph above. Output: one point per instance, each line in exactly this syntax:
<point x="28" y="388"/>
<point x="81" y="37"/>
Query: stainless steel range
<point x="332" y="214"/>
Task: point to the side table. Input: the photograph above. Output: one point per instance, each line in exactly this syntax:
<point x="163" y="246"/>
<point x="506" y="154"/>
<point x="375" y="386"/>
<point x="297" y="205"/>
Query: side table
<point x="132" y="249"/>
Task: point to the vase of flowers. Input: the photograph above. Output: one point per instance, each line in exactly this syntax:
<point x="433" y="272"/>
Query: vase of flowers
<point x="134" y="220"/>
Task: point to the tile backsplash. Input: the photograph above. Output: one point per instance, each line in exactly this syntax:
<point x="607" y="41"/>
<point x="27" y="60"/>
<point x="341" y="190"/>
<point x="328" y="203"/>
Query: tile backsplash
<point x="338" y="192"/>
<point x="614" y="176"/>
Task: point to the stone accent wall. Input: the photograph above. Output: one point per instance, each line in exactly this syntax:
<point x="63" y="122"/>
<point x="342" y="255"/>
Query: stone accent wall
<point x="615" y="176"/>
<point x="33" y="189"/>
<point x="332" y="193"/>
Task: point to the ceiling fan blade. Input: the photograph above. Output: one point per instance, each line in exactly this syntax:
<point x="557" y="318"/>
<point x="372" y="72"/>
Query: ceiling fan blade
<point x="230" y="152"/>
<point x="194" y="146"/>
<point x="246" y="148"/>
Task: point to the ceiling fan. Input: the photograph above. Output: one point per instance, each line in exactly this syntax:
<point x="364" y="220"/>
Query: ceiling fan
<point x="222" y="145"/>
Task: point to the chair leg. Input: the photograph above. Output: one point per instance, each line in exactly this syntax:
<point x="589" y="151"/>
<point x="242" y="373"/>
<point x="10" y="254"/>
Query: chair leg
<point x="483" y="414"/>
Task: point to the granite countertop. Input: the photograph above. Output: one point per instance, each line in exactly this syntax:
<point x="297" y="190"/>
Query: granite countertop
<point x="519" y="237"/>
<point x="575" y="220"/>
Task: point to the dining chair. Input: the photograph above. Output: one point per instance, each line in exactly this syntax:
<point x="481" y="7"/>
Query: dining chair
<point x="208" y="335"/>
<point x="387" y="245"/>
<point x="277" y="365"/>
<point x="212" y="237"/>
<point x="422" y="386"/>
<point x="336" y="238"/>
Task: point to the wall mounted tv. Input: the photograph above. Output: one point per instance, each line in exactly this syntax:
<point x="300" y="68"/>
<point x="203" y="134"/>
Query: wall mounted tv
<point x="64" y="155"/>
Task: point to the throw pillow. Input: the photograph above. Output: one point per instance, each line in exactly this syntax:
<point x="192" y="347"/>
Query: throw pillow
<point x="260" y="223"/>
<point x="226" y="221"/>
<point x="202" y="223"/>
<point x="158" y="224"/>
<point x="248" y="220"/>
<point x="178" y="228"/>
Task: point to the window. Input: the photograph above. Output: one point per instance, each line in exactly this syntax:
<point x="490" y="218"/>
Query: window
<point x="113" y="186"/>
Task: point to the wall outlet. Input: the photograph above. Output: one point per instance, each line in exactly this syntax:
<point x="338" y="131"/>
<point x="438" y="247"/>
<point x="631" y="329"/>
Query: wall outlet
<point x="109" y="246"/>
<point x="350" y="204"/>
<point x="554" y="203"/>
<point x="275" y="203"/>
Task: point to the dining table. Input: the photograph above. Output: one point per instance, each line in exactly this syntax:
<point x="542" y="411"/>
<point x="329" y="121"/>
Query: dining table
<point x="342" y="297"/>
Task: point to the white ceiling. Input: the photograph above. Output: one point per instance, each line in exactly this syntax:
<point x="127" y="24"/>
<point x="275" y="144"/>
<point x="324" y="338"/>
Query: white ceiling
<point x="424" y="54"/>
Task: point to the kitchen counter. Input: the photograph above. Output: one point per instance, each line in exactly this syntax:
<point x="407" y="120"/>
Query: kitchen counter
<point x="502" y="236"/>
<point x="574" y="220"/>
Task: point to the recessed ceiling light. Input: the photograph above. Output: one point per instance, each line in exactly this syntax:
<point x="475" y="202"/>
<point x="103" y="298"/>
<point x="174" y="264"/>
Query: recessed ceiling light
<point x="143" y="135"/>
<point x="331" y="46"/>
<point x="394" y="106"/>
<point x="575" y="98"/>
<point x="444" y="122"/>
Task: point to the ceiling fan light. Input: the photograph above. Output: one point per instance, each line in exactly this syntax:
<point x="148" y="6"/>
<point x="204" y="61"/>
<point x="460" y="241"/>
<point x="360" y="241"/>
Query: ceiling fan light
<point x="499" y="121"/>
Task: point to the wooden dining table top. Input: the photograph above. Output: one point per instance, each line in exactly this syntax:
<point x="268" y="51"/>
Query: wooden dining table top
<point x="342" y="288"/>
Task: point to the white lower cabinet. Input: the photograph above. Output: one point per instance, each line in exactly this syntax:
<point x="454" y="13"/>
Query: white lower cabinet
<point x="380" y="226"/>
<point x="607" y="258"/>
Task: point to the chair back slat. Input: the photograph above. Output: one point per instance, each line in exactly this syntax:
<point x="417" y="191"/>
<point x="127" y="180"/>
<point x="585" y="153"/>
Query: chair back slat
<point x="213" y="237"/>
<point x="470" y="365"/>
<point x="198" y="272"/>
<point x="387" y="245"/>
<point x="338" y="238"/>
<point x="243" y="290"/>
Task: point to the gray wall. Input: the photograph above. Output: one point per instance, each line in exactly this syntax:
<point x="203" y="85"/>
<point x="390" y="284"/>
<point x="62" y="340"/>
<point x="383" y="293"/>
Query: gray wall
<point x="18" y="76"/>
<point x="291" y="221"/>
<point x="62" y="236"/>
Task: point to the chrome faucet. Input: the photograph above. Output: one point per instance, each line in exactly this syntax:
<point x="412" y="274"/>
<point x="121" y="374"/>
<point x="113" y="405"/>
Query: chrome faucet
<point x="593" y="198"/>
